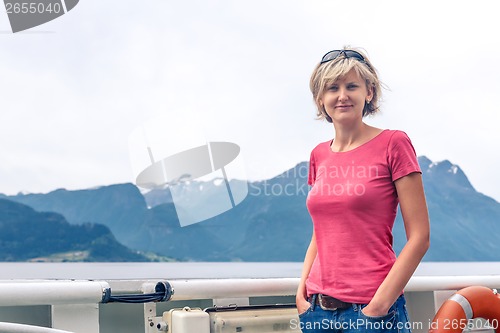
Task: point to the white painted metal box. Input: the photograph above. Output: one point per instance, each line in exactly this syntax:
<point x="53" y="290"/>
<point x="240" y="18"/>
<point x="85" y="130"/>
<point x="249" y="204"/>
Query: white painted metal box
<point x="187" y="320"/>
<point x="255" y="321"/>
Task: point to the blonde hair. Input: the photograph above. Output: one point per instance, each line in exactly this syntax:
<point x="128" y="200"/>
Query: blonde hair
<point x="325" y="74"/>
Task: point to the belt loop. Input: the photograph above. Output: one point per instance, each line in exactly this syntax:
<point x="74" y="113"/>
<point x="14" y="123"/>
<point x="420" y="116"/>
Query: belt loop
<point x="313" y="301"/>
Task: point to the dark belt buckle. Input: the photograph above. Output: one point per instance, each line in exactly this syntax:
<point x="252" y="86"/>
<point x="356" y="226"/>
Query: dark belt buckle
<point x="331" y="303"/>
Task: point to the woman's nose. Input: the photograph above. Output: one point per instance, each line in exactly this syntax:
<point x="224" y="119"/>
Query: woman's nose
<point x="343" y="94"/>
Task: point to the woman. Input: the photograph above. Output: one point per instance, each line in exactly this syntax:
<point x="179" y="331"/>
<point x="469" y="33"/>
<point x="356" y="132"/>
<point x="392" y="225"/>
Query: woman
<point x="351" y="279"/>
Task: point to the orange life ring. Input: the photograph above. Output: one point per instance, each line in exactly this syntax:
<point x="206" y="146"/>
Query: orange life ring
<point x="457" y="312"/>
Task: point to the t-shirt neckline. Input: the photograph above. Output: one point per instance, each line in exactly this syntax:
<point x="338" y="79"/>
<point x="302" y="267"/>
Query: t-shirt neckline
<point x="358" y="147"/>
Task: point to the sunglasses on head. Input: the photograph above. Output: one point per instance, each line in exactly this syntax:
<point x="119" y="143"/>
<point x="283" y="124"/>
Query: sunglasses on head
<point x="332" y="55"/>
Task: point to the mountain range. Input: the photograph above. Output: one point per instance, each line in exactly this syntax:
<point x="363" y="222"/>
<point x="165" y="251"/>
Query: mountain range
<point x="45" y="236"/>
<point x="272" y="223"/>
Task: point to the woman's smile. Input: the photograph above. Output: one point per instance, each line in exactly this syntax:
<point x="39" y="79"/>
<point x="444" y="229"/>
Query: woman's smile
<point x="344" y="106"/>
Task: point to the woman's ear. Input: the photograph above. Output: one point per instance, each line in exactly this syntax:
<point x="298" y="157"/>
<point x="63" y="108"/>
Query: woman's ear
<point x="369" y="96"/>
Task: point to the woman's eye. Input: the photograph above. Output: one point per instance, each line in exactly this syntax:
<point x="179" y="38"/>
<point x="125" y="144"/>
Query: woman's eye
<point x="333" y="88"/>
<point x="352" y="86"/>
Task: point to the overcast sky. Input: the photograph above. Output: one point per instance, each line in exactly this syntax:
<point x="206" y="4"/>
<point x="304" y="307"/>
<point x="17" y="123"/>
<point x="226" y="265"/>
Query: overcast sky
<point x="73" y="90"/>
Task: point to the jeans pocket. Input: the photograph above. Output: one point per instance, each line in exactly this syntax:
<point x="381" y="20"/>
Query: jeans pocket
<point x="377" y="324"/>
<point x="305" y="312"/>
<point x="385" y="317"/>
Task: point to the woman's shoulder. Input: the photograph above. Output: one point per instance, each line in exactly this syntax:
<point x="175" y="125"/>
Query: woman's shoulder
<point x="392" y="136"/>
<point x="390" y="139"/>
<point x="396" y="136"/>
<point x="392" y="132"/>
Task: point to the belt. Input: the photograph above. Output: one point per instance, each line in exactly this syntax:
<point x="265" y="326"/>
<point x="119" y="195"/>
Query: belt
<point x="331" y="303"/>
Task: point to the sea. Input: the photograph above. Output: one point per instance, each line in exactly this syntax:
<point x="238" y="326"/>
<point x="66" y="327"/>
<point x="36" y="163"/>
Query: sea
<point x="204" y="270"/>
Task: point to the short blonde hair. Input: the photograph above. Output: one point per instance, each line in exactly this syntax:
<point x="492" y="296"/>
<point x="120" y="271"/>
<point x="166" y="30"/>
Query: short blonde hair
<point x="325" y="74"/>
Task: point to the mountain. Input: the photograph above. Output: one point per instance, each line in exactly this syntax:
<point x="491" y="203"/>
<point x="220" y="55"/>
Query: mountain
<point x="272" y="223"/>
<point x="29" y="235"/>
<point x="123" y="209"/>
<point x="463" y="221"/>
<point x="120" y="207"/>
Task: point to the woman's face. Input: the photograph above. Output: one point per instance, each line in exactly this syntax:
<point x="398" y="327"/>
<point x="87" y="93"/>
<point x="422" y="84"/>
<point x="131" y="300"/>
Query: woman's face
<point x="345" y="98"/>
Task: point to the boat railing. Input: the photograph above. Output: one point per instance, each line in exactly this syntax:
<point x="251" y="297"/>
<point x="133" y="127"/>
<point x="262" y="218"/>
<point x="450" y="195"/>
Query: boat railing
<point x="79" y="306"/>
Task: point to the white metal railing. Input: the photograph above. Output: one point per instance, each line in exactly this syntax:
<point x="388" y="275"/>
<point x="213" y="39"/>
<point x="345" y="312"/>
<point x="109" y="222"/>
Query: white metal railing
<point x="228" y="288"/>
<point x="235" y="288"/>
<point x="434" y="283"/>
<point x="51" y="292"/>
<point x="74" y="304"/>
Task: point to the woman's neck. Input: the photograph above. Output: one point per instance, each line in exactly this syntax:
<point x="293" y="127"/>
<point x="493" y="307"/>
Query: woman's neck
<point x="350" y="137"/>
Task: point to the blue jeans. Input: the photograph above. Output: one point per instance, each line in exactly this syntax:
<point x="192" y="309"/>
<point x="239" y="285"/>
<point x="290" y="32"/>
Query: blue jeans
<point x="350" y="320"/>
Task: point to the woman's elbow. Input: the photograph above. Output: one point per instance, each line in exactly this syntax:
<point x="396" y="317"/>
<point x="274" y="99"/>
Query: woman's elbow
<point x="421" y="239"/>
<point x="426" y="244"/>
<point x="424" y="240"/>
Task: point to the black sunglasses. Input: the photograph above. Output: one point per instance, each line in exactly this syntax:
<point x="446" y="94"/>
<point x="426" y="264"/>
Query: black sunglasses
<point x="332" y="55"/>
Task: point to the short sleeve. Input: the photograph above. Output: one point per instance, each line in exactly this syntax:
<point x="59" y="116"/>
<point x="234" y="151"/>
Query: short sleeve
<point x="312" y="170"/>
<point x="401" y="155"/>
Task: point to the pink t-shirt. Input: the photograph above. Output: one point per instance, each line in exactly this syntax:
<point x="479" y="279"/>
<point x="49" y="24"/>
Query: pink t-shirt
<point x="353" y="204"/>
